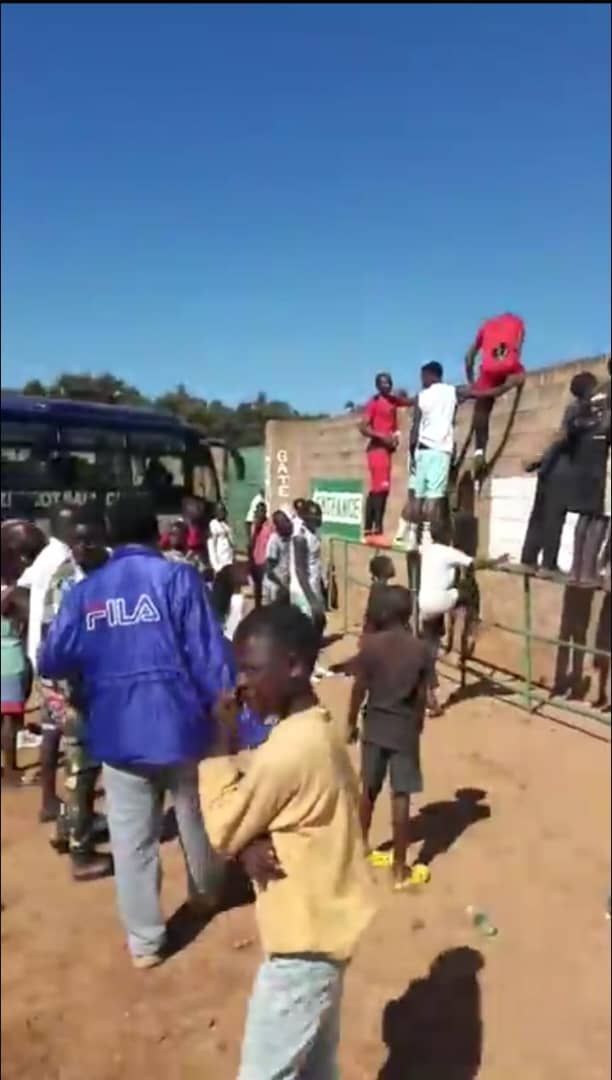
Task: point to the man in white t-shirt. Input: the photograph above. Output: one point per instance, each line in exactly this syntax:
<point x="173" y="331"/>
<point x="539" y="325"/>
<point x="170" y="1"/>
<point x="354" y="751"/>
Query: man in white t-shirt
<point x="439" y="595"/>
<point x="437" y="404"/>
<point x="220" y="540"/>
<point x="37" y="579"/>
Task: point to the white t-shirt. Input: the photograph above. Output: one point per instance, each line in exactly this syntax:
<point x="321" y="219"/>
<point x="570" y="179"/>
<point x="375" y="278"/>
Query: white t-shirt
<point x="37" y="578"/>
<point x="437" y="593"/>
<point x="234" y="616"/>
<point x="437" y="405"/>
<point x="256" y="501"/>
<point x="278" y="551"/>
<point x="220" y="545"/>
<point x="314" y="569"/>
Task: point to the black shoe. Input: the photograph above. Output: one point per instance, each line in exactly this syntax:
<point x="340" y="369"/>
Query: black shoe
<point x="91" y="865"/>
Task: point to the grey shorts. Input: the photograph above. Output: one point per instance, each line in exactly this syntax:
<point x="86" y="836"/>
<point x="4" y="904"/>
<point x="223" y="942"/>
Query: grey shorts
<point x="404" y="769"/>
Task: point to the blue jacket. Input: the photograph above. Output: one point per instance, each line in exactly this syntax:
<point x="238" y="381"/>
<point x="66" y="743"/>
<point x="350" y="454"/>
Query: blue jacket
<point x="142" y="636"/>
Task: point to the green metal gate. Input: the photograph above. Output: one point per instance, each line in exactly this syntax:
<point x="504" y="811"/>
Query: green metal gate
<point x="239" y="493"/>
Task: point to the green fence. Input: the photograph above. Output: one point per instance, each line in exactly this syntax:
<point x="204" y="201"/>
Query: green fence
<point x="528" y="693"/>
<point x="240" y="492"/>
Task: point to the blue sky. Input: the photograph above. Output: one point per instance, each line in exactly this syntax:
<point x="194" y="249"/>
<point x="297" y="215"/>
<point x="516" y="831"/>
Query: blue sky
<point x="289" y="198"/>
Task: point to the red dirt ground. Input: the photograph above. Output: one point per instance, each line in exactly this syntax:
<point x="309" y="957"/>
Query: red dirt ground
<point x="427" y="998"/>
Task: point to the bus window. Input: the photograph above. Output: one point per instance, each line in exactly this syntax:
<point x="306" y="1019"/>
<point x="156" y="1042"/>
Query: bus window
<point x="98" y="456"/>
<point x="157" y="461"/>
<point x="27" y="450"/>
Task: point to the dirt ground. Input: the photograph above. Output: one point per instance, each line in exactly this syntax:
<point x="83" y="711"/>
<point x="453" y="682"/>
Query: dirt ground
<point x="427" y="998"/>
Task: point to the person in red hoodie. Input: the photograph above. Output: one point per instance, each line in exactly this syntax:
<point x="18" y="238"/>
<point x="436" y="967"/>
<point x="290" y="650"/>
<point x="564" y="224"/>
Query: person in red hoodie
<point x="379" y="427"/>
<point x="499" y="341"/>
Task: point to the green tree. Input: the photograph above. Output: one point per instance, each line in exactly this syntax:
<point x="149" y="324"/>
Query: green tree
<point x="243" y="425"/>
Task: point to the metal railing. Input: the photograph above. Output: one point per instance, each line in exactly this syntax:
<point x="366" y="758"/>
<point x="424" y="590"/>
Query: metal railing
<point x="530" y="695"/>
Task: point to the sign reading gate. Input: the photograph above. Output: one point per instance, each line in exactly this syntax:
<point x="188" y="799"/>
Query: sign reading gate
<point x="342" y="504"/>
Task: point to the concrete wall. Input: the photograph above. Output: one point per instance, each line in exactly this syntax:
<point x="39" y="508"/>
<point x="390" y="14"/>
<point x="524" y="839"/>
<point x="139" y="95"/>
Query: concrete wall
<point x="521" y="427"/>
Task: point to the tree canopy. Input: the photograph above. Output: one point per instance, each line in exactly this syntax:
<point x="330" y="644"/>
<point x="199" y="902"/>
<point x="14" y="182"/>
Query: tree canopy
<point x="242" y="425"/>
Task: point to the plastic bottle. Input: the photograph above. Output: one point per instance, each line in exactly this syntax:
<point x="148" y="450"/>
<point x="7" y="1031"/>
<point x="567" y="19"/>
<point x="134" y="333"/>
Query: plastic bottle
<point x="480" y="920"/>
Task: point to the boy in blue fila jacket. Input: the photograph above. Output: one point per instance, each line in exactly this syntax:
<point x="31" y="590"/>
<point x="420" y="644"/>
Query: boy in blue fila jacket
<point x="140" y="634"/>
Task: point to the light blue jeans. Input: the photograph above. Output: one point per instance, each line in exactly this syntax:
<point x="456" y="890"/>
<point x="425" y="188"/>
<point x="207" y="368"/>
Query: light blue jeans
<point x="135" y="809"/>
<point x="293" y="1021"/>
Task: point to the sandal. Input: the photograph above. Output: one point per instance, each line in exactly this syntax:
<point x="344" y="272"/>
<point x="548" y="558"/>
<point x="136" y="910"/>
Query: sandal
<point x="382" y="859"/>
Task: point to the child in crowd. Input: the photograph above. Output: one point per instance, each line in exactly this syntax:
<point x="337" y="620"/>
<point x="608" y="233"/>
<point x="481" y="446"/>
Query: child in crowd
<point x="174" y="541"/>
<point x="307" y="577"/>
<point x="392" y="669"/>
<point x="259" y="534"/>
<point x="382" y="572"/>
<point x="300" y="789"/>
<point x="278" y="559"/>
<point x="220" y="540"/>
<point x="439" y="595"/>
<point x="21" y="543"/>
<point x="175" y="546"/>
<point x="226" y="597"/>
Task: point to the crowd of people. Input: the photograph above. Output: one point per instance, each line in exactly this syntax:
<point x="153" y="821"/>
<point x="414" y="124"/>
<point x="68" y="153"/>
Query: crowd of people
<point x="498" y="342"/>
<point x="153" y="678"/>
<point x="572" y="473"/>
<point x="152" y="684"/>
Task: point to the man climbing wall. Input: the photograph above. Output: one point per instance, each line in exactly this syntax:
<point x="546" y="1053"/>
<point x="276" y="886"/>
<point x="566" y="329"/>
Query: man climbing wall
<point x="500" y="342"/>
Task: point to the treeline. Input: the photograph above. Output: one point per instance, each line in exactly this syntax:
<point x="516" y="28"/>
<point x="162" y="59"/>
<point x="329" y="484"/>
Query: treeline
<point x="243" y="425"/>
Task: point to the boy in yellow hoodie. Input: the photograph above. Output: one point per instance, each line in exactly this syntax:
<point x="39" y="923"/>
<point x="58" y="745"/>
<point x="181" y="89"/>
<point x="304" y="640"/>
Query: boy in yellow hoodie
<point x="299" y="788"/>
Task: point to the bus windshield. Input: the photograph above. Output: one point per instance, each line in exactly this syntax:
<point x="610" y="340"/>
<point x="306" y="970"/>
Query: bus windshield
<point x="72" y="451"/>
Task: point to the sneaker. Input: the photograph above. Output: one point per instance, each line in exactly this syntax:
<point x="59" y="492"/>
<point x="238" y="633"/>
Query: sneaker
<point x="91" y="865"/>
<point x="145" y="963"/>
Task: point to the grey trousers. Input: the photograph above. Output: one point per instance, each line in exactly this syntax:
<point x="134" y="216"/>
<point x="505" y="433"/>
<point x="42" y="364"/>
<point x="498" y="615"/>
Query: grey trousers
<point x="135" y="807"/>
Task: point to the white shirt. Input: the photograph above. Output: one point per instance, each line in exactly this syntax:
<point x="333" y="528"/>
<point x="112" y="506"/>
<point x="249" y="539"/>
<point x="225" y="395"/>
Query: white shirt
<point x="256" y="501"/>
<point x="314" y="569"/>
<point x="438" y="565"/>
<point x="37" y="578"/>
<point x="234" y="615"/>
<point x="437" y="405"/>
<point x="220" y="545"/>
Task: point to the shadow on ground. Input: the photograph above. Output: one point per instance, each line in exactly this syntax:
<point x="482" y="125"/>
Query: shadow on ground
<point x="189" y="920"/>
<point x="434" y="1030"/>
<point x="438" y="825"/>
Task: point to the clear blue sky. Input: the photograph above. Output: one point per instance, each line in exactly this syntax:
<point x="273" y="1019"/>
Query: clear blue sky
<point x="289" y="198"/>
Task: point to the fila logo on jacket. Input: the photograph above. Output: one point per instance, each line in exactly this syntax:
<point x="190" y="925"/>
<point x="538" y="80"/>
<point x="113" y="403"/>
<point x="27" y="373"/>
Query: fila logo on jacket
<point x="114" y="612"/>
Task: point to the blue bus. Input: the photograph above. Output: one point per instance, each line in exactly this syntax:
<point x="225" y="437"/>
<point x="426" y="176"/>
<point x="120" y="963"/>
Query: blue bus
<point x="72" y="451"/>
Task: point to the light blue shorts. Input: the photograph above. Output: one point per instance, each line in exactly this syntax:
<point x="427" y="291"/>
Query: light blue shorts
<point x="293" y="1020"/>
<point x="431" y="473"/>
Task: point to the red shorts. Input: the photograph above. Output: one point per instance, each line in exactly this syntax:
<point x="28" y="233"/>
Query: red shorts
<point x="379" y="466"/>
<point x="495" y="374"/>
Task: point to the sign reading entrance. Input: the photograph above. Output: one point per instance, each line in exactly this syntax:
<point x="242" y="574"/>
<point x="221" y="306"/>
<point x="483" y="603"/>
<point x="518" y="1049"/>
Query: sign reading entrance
<point x="342" y="504"/>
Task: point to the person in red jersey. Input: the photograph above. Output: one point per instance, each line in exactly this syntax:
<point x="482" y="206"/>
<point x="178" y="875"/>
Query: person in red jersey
<point x="379" y="427"/>
<point x="499" y="341"/>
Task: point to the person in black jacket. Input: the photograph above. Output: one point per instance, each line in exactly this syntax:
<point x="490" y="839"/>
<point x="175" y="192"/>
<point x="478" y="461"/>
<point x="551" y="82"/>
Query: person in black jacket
<point x="564" y="479"/>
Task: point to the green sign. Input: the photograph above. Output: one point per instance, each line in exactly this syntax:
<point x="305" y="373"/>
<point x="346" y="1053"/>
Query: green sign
<point x="342" y="504"/>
